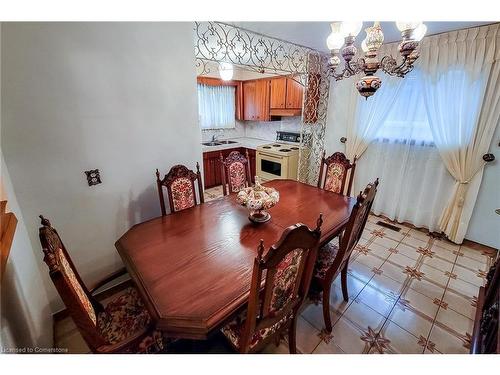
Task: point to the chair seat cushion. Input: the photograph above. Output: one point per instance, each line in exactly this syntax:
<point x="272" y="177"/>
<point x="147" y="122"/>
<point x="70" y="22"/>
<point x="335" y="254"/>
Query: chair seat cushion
<point x="326" y="256"/>
<point x="234" y="329"/>
<point x="126" y="315"/>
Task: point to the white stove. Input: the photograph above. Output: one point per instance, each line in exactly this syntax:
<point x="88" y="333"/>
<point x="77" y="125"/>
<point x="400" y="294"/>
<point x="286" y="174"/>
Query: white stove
<point x="279" y="160"/>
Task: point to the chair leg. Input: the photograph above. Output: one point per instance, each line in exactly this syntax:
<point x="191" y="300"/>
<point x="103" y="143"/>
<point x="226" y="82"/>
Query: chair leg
<point x="326" y="308"/>
<point x="343" y="281"/>
<point x="292" y="345"/>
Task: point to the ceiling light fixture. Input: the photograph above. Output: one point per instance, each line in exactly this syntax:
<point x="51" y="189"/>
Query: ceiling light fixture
<point x="369" y="64"/>
<point x="226" y="71"/>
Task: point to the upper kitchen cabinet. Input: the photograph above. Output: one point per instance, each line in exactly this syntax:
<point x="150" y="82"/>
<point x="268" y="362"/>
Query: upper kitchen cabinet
<point x="256" y="100"/>
<point x="285" y="97"/>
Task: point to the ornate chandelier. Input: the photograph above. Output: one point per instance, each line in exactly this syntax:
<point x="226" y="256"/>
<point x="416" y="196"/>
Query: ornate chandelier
<point x="369" y="64"/>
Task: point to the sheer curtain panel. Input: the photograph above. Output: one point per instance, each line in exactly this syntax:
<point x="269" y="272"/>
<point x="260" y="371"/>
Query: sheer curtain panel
<point x="216" y="106"/>
<point x="461" y="97"/>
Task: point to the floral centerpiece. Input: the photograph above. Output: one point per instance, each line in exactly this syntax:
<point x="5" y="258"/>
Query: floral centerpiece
<point x="258" y="199"/>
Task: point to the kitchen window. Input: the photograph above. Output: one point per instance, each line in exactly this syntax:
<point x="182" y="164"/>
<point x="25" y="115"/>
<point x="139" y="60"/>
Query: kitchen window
<point x="216" y="107"/>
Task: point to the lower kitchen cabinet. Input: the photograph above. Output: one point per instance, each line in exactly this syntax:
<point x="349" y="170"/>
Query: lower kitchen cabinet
<point x="212" y="175"/>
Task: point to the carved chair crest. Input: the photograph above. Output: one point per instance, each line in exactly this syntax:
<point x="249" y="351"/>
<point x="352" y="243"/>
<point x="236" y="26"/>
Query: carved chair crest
<point x="179" y="182"/>
<point x="334" y="170"/>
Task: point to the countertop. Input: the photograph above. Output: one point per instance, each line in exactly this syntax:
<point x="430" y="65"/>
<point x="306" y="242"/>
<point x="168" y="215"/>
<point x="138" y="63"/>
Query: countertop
<point x="251" y="143"/>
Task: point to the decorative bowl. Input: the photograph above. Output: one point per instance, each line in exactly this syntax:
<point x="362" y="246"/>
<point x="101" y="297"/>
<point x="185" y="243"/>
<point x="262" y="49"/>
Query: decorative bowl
<point x="258" y="199"/>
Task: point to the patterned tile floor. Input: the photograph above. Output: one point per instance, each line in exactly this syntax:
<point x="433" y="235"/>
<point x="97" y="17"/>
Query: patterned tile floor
<point x="408" y="293"/>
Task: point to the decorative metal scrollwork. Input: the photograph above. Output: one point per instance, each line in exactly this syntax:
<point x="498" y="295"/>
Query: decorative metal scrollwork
<point x="219" y="42"/>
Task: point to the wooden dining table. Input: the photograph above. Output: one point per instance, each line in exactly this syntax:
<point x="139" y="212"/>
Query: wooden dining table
<point x="193" y="268"/>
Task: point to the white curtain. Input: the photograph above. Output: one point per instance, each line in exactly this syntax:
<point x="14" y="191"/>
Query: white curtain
<point x="413" y="179"/>
<point x="370" y="113"/>
<point x="461" y="97"/>
<point x="216" y="106"/>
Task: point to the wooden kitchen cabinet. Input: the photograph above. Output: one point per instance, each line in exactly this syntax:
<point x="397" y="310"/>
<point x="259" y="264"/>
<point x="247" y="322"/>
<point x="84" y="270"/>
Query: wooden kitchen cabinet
<point x="294" y="93"/>
<point x="278" y="93"/>
<point x="212" y="168"/>
<point x="256" y="100"/>
<point x="285" y="97"/>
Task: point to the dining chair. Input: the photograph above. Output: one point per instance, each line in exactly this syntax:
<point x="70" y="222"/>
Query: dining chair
<point x="179" y="182"/>
<point x="273" y="310"/>
<point x="235" y="171"/>
<point x="337" y="168"/>
<point x="122" y="326"/>
<point x="486" y="334"/>
<point x="333" y="259"/>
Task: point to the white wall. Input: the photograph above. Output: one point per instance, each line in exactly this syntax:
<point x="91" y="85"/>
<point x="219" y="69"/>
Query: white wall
<point x="26" y="319"/>
<point x="484" y="224"/>
<point x="120" y="97"/>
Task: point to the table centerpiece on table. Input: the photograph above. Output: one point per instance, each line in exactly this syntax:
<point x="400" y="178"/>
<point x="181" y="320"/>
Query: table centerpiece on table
<point x="258" y="199"/>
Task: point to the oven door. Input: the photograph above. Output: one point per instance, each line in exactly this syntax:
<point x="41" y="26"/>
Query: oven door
<point x="271" y="167"/>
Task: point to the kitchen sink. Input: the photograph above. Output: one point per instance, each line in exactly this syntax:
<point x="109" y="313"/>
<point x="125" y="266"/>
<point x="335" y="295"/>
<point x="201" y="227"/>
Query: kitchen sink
<point x="218" y="143"/>
<point x="211" y="144"/>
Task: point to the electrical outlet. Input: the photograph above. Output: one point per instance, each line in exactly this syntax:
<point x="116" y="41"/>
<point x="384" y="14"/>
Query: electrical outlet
<point x="93" y="177"/>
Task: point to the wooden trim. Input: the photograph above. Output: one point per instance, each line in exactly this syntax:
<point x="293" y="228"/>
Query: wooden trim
<point x="216" y="82"/>
<point x="8" y="228"/>
<point x="285" y="112"/>
<point x="64" y="313"/>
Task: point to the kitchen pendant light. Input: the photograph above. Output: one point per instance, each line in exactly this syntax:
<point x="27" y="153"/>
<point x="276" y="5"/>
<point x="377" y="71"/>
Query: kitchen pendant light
<point x="226" y="71"/>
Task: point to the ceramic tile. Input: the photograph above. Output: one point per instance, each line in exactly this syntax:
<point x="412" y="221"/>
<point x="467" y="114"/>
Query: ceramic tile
<point x="419" y="302"/>
<point x="415" y="242"/>
<point x="393" y="339"/>
<point x="307" y="336"/>
<point x="314" y="315"/>
<point x="467" y="290"/>
<point x="64" y="327"/>
<point x="386" y="284"/>
<point x="414" y="233"/>
<point x="438" y="263"/>
<point x="401" y="260"/>
<point x="408" y="251"/>
<point x="348" y="337"/>
<point x="360" y="271"/>
<point x="363" y="315"/>
<point x="379" y="251"/>
<point x="471" y="263"/>
<point x="411" y="321"/>
<point x="442" y="253"/>
<point x="74" y="342"/>
<point x="354" y="285"/>
<point x="436" y="275"/>
<point x="471" y="276"/>
<point x="394" y="235"/>
<point x="460" y="304"/>
<point x="455" y="321"/>
<point x="446" y="245"/>
<point x="427" y="288"/>
<point x="369" y="261"/>
<point x="475" y="254"/>
<point x="337" y="302"/>
<point x="394" y="272"/>
<point x="445" y="342"/>
<point x="378" y="301"/>
<point x="282" y="348"/>
<point x="386" y="242"/>
<point x="328" y="348"/>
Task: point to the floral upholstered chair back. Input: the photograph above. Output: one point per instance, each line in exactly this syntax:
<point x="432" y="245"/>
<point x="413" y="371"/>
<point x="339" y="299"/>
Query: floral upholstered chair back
<point x="288" y="266"/>
<point x="84" y="309"/>
<point x="235" y="172"/>
<point x="334" y="172"/>
<point x="180" y="184"/>
<point x="356" y="223"/>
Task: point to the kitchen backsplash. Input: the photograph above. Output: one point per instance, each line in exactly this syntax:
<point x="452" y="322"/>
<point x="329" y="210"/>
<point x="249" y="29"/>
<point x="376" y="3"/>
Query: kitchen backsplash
<point x="256" y="129"/>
